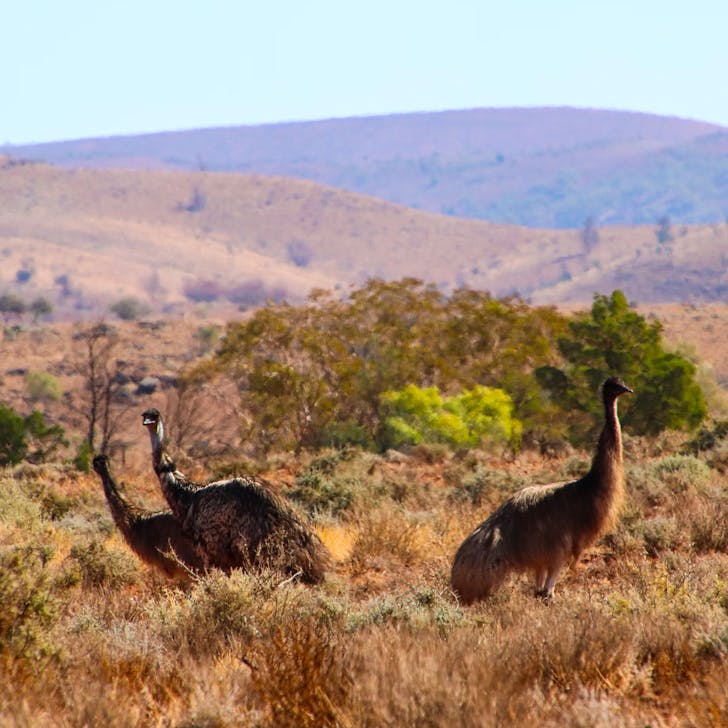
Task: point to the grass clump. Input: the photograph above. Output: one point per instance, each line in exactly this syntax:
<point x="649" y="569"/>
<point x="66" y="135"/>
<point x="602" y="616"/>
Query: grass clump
<point x="301" y="674"/>
<point x="99" y="566"/>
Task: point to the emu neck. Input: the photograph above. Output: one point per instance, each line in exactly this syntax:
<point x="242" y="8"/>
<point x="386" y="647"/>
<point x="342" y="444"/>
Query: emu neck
<point x="121" y="511"/>
<point x="606" y="470"/>
<point x="156" y="436"/>
<point x="175" y="490"/>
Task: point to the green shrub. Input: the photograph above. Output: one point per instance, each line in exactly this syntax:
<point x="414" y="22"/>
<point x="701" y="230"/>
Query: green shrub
<point x="129" y="309"/>
<point x="681" y="473"/>
<point x="13" y="436"/>
<point x="29" y="607"/>
<point x="43" y="387"/>
<point x="613" y="339"/>
<point x="100" y="566"/>
<point x="27" y="438"/>
<point x="417" y="415"/>
<point x="82" y="459"/>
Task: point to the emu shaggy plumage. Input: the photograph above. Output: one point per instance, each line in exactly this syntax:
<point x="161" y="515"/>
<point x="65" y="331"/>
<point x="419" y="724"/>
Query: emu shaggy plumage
<point x="541" y="527"/>
<point x="155" y="537"/>
<point x="236" y="523"/>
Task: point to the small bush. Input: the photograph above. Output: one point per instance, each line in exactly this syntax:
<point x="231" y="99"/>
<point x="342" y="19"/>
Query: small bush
<point x="387" y="534"/>
<point x="100" y="566"/>
<point x="129" y="309"/>
<point x="301" y="675"/>
<point x="220" y="611"/>
<point x="681" y="473"/>
<point x="300" y="253"/>
<point x="202" y="290"/>
<point x="208" y="336"/>
<point x="662" y="534"/>
<point x="321" y="494"/>
<point x="29" y="607"/>
<point x="416" y="415"/>
<point x="43" y="387"/>
<point x="709" y="524"/>
<point x="486" y="486"/>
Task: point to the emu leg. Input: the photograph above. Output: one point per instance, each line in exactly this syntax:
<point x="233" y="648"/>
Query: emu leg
<point x="547" y="590"/>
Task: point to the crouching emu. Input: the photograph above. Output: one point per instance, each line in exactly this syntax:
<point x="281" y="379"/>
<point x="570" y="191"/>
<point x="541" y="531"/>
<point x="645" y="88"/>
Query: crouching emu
<point x="540" y="528"/>
<point x="236" y="523"/>
<point x="155" y="537"/>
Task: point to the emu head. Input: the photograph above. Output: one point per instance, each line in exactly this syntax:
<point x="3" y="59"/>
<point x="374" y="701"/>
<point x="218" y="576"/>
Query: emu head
<point x="151" y="417"/>
<point x="613" y="387"/>
<point x="101" y="464"/>
<point x="152" y="420"/>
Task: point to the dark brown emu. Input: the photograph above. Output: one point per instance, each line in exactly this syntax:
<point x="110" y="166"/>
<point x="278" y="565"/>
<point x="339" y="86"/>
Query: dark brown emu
<point x="155" y="537"/>
<point x="236" y="523"/>
<point x="541" y="527"/>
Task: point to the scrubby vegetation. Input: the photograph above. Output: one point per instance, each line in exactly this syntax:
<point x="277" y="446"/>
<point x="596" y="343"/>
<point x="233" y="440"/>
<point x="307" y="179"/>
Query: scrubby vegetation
<point x="327" y="373"/>
<point x="638" y="633"/>
<point x="396" y="420"/>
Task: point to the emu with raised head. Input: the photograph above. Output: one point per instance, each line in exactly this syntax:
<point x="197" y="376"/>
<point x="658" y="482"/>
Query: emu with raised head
<point x="540" y="528"/>
<point x="236" y="523"/>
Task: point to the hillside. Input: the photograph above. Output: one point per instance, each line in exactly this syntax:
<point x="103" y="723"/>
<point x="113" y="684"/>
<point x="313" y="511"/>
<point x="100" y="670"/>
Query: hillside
<point x="86" y="238"/>
<point x="541" y="167"/>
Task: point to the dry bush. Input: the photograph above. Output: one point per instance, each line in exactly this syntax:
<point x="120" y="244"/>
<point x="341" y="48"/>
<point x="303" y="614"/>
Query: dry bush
<point x="100" y="566"/>
<point x="387" y="535"/>
<point x="708" y="523"/>
<point x="300" y="674"/>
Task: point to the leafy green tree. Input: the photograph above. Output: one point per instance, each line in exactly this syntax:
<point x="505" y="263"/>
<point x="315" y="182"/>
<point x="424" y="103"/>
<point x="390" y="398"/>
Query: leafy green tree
<point x="13" y="436"/>
<point x="27" y="438"/>
<point x="613" y="339"/>
<point x="314" y="375"/>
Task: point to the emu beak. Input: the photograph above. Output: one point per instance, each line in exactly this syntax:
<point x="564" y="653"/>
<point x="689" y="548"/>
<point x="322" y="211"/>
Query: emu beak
<point x="626" y="389"/>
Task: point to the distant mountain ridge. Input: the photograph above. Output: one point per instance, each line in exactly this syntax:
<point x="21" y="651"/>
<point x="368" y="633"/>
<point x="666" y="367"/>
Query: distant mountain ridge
<point x="538" y="167"/>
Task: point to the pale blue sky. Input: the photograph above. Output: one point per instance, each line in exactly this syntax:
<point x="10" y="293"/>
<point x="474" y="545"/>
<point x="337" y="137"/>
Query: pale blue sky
<point x="77" y="68"/>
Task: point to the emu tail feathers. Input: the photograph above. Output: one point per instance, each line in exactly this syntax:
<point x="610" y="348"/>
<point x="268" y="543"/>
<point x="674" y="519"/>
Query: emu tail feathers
<point x="479" y="566"/>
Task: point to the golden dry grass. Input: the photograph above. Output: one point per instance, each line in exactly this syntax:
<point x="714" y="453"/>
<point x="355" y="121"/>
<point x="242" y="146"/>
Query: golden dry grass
<point x="638" y="633"/>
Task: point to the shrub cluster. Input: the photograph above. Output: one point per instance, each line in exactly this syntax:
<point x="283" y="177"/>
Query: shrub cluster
<point x="327" y="372"/>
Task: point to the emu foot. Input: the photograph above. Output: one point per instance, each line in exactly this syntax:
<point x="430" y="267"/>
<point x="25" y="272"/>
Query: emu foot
<point x="547" y="597"/>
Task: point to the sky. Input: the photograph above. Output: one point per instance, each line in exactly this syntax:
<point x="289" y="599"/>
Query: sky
<point x="72" y="69"/>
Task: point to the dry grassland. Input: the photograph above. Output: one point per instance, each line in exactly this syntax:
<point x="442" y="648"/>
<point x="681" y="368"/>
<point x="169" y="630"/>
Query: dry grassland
<point x="637" y="635"/>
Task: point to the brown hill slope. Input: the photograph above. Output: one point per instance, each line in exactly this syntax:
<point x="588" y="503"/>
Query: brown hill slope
<point x="93" y="236"/>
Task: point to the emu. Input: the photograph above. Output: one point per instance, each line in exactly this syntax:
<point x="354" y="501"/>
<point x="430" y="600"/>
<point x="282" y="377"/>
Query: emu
<point x="155" y="537"/>
<point x="541" y="527"/>
<point x="236" y="523"/>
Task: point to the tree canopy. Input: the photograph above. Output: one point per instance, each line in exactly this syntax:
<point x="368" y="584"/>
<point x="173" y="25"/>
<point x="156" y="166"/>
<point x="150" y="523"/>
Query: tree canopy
<point x="317" y="374"/>
<point x="614" y="339"/>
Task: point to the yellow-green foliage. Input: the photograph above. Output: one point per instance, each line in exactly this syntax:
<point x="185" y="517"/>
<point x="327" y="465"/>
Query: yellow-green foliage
<point x="43" y="387"/>
<point x="464" y="420"/>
